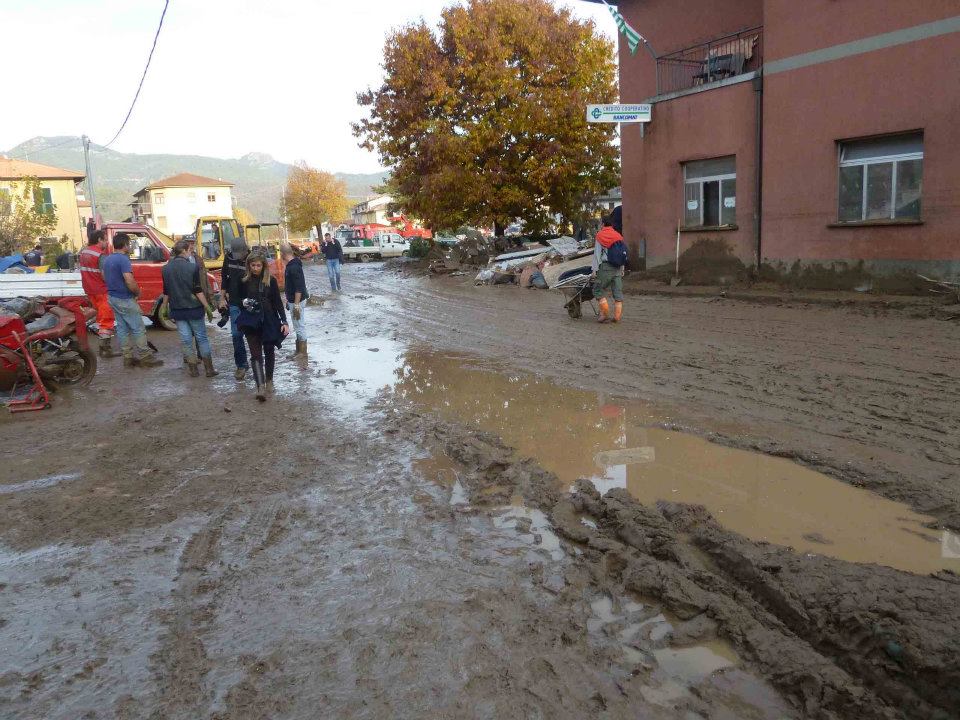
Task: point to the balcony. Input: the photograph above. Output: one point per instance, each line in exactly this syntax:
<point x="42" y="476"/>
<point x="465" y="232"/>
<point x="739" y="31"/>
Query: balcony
<point x="710" y="62"/>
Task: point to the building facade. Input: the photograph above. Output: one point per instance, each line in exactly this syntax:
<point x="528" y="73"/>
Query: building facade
<point x="374" y="211"/>
<point x="58" y="194"/>
<point x="815" y="142"/>
<point x="172" y="205"/>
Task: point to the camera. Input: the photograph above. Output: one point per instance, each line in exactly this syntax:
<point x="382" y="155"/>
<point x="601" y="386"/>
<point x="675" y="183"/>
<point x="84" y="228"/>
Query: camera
<point x="251" y="305"/>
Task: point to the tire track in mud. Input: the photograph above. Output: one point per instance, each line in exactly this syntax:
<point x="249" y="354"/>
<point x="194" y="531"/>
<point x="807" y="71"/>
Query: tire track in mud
<point x="181" y="664"/>
<point x="212" y="559"/>
<point x="840" y="639"/>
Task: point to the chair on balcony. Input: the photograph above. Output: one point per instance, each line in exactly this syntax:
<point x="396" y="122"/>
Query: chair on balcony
<point x="726" y="60"/>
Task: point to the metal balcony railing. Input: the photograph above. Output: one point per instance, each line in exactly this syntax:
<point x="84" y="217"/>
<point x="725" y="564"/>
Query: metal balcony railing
<point x="709" y="62"/>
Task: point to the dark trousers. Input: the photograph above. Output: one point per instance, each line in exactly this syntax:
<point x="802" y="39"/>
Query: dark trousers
<point x="259" y="351"/>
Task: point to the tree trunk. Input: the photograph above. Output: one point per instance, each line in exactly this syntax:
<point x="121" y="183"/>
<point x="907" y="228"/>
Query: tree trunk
<point x="319" y="232"/>
<point x="498" y="228"/>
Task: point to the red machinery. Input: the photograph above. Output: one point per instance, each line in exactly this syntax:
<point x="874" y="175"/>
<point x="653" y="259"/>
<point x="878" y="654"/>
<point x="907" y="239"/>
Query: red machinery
<point x="58" y="353"/>
<point x="407" y="229"/>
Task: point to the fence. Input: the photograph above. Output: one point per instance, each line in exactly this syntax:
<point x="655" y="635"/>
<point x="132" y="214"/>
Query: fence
<point x="711" y="61"/>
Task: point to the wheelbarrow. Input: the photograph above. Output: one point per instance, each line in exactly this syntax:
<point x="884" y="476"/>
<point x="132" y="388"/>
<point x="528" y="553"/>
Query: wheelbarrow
<point x="577" y="288"/>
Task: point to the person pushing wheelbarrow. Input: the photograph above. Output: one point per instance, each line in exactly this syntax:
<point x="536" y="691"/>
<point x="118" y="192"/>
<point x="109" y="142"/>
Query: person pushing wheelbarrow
<point x="609" y="260"/>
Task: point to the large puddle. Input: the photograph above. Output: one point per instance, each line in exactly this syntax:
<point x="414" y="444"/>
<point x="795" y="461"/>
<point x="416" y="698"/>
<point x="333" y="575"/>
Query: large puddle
<point x="577" y="434"/>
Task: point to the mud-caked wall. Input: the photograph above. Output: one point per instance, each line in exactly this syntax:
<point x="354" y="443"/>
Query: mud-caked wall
<point x="809" y="108"/>
<point x="703" y="125"/>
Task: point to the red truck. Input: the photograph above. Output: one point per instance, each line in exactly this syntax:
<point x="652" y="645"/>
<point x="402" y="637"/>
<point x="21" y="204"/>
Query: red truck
<point x="149" y="252"/>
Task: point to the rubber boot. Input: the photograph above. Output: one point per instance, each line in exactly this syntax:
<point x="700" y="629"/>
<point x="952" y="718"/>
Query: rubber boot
<point x="239" y="374"/>
<point x="208" y="366"/>
<point x="258" y="378"/>
<point x="192" y="368"/>
<point x="300" y="351"/>
<point x="130" y="361"/>
<point x="604" y="311"/>
<point x="106" y="348"/>
<point x="149" y="359"/>
<point x="617" y="311"/>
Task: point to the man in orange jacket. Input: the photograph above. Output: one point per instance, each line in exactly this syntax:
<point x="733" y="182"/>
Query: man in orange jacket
<point x="608" y="276"/>
<point x="94" y="287"/>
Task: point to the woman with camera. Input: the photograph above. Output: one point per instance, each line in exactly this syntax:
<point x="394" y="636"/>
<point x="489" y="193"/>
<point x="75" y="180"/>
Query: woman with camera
<point x="262" y="320"/>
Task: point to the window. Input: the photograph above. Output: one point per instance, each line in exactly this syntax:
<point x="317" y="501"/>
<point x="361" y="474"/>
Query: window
<point x="162" y="222"/>
<point x="191" y="197"/>
<point x="210" y="241"/>
<point x="211" y="197"/>
<point x="142" y="249"/>
<point x="158" y="198"/>
<point x="43" y="200"/>
<point x="881" y="178"/>
<point x="710" y="193"/>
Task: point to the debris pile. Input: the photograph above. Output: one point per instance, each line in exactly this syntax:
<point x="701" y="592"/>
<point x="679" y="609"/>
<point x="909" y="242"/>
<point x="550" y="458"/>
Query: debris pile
<point x="536" y="265"/>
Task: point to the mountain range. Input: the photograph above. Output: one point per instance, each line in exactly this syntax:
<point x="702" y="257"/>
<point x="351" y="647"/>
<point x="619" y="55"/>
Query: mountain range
<point x="258" y="178"/>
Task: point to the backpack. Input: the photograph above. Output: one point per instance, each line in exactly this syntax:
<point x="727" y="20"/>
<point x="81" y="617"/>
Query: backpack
<point x="617" y="254"/>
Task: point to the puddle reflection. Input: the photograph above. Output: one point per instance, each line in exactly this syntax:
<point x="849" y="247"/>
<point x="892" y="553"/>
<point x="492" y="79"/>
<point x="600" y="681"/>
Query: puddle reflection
<point x="577" y="434"/>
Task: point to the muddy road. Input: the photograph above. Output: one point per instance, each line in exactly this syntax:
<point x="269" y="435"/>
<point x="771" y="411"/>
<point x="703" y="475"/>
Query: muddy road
<point x="465" y="505"/>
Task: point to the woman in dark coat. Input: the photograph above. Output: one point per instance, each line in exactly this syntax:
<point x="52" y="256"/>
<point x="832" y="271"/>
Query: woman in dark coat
<point x="263" y="320"/>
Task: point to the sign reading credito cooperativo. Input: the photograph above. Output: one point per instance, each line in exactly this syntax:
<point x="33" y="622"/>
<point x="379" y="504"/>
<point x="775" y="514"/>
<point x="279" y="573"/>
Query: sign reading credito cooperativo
<point x="619" y="113"/>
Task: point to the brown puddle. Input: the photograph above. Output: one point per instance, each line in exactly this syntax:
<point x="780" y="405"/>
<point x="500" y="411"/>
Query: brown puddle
<point x="577" y="434"/>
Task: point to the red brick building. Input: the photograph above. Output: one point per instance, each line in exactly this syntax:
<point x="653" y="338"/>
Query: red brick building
<point x="817" y="139"/>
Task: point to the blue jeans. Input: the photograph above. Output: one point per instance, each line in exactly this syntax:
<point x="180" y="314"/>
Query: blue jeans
<point x="190" y="329"/>
<point x="130" y="328"/>
<point x="333" y="271"/>
<point x="239" y="349"/>
<point x="299" y="326"/>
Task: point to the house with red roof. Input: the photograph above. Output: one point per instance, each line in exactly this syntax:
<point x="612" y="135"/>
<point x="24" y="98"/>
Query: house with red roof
<point x="173" y="204"/>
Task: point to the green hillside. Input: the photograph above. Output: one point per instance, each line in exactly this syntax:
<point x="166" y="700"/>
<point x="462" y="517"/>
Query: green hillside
<point x="258" y="178"/>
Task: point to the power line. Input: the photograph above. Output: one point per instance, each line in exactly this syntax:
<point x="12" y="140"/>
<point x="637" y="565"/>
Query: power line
<point x="166" y="4"/>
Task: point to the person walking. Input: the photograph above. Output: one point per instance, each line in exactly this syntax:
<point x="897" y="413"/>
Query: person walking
<point x="94" y="287"/>
<point x="91" y="228"/>
<point x="295" y="288"/>
<point x="122" y="294"/>
<point x="262" y="320"/>
<point x="234" y="268"/>
<point x="333" y="252"/>
<point x="609" y="259"/>
<point x="183" y="296"/>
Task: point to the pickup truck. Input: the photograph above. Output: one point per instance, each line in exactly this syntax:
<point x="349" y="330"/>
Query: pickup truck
<point x="150" y="250"/>
<point x="383" y="245"/>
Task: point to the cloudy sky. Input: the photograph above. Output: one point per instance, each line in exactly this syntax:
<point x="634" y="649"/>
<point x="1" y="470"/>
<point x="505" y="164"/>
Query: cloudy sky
<point x="228" y="76"/>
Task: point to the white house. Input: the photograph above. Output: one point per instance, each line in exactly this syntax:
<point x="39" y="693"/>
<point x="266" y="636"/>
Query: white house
<point x="372" y="211"/>
<point x="172" y="205"/>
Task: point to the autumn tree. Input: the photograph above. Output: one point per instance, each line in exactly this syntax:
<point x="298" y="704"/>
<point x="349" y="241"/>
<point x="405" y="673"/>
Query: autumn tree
<point x="484" y="120"/>
<point x="313" y="197"/>
<point x="22" y="218"/>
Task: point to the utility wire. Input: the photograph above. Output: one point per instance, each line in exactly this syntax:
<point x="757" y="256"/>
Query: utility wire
<point x="166" y="4"/>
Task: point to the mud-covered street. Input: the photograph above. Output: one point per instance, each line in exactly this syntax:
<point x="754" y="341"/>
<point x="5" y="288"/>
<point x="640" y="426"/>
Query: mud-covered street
<point x="467" y="505"/>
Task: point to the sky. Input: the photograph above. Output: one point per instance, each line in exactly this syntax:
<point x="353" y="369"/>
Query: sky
<point x="228" y="76"/>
